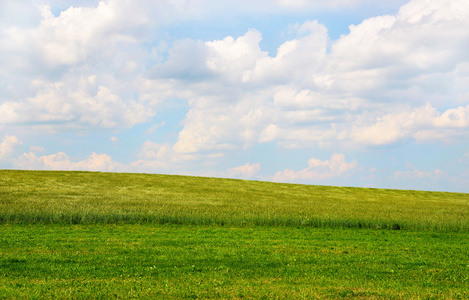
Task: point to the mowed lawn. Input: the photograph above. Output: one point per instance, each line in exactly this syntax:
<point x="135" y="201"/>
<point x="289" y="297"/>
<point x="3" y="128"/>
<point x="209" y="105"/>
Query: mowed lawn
<point x="83" y="235"/>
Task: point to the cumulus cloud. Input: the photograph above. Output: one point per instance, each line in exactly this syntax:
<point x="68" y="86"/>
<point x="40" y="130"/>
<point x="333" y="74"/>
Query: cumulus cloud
<point x="60" y="161"/>
<point x="61" y="44"/>
<point x="79" y="31"/>
<point x="186" y="61"/>
<point x="222" y="123"/>
<point x="47" y="58"/>
<point x="362" y="88"/>
<point x="232" y="58"/>
<point x="225" y="59"/>
<point x="160" y="157"/>
<point x="422" y="124"/>
<point x="317" y="169"/>
<point x="431" y="29"/>
<point x="8" y="146"/>
<point x="295" y="58"/>
<point x="390" y="79"/>
<point x="453" y="118"/>
<point x="410" y="54"/>
<point x="153" y="157"/>
<point x="245" y="171"/>
<point x="69" y="105"/>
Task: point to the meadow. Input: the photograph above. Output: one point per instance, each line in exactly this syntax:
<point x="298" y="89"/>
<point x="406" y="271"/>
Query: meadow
<point x="31" y="197"/>
<point x="87" y="235"/>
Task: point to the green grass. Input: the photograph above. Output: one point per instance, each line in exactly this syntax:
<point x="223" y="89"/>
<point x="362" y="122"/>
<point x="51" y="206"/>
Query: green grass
<point x="176" y="262"/>
<point x="31" y="197"/>
<point x="84" y="235"/>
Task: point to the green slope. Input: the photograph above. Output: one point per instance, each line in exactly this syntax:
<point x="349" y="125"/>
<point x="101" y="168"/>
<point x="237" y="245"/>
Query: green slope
<point x="30" y="197"/>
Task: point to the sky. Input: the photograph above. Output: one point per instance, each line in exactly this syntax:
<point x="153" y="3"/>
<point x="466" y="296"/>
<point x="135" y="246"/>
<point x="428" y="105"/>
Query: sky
<point x="344" y="92"/>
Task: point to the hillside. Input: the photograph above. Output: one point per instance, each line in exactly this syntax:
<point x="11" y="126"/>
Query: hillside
<point x="30" y="197"/>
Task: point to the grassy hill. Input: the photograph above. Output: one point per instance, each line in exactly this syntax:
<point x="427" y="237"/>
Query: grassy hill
<point x="30" y="197"/>
<point x="85" y="235"/>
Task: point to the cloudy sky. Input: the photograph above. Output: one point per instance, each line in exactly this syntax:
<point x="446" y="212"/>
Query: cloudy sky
<point x="342" y="92"/>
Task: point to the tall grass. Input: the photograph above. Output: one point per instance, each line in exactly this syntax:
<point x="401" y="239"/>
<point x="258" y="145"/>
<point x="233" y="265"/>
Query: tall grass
<point x="30" y="197"/>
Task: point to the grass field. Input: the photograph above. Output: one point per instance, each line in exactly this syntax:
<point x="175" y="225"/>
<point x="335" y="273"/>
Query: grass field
<point x="31" y="197"/>
<point x="83" y="235"/>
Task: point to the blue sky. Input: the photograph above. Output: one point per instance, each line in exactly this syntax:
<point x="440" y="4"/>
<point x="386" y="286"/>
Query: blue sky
<point x="344" y="92"/>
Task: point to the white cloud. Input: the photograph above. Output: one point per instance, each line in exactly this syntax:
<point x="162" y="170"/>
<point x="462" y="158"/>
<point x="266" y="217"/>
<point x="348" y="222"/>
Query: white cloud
<point x="245" y="171"/>
<point x="295" y="58"/>
<point x="8" y="146"/>
<point x="423" y="123"/>
<point x="232" y="58"/>
<point x="389" y="53"/>
<point x="425" y="36"/>
<point x="417" y="10"/>
<point x="68" y="105"/>
<point x="385" y="82"/>
<point x="453" y="118"/>
<point x="95" y="37"/>
<point x="160" y="157"/>
<point x="186" y="61"/>
<point x="79" y="32"/>
<point x="11" y="9"/>
<point x="270" y="133"/>
<point x="60" y="161"/>
<point x="363" y="90"/>
<point x="222" y="123"/>
<point x="205" y="130"/>
<point x="227" y="59"/>
<point x="417" y="174"/>
<point x="317" y="169"/>
<point x="241" y="59"/>
<point x="153" y="158"/>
